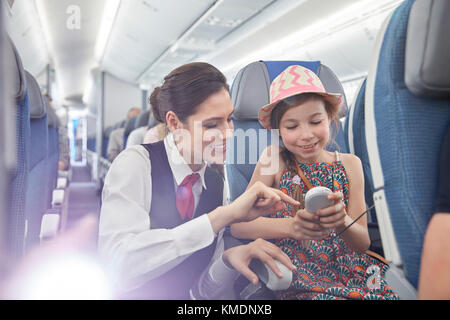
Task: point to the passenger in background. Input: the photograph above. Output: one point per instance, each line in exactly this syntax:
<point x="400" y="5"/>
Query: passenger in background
<point x="434" y="279"/>
<point x="146" y="135"/>
<point x="331" y="266"/>
<point x="115" y="144"/>
<point x="165" y="205"/>
<point x="63" y="141"/>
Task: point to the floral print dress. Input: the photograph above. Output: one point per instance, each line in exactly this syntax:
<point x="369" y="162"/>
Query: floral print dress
<point x="328" y="268"/>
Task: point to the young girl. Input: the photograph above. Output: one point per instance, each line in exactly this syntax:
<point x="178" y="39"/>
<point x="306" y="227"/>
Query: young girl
<point x="329" y="266"/>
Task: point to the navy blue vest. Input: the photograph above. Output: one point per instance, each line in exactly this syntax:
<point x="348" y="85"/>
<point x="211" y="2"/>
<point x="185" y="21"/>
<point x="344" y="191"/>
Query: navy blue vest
<point x="175" y="283"/>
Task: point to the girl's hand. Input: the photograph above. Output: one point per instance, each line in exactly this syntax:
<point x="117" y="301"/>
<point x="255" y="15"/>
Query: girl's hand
<point x="333" y="217"/>
<point x="240" y="257"/>
<point x="259" y="200"/>
<point x="305" y="226"/>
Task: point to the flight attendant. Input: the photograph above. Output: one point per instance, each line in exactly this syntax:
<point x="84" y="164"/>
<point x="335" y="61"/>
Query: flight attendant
<point x="164" y="205"/>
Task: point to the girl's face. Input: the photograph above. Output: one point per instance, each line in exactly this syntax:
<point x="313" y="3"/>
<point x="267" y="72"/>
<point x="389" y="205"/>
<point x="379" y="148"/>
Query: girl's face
<point x="304" y="130"/>
<point x="207" y="131"/>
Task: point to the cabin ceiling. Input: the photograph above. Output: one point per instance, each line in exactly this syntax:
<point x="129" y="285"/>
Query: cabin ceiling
<point x="72" y="48"/>
<point x="142" y="46"/>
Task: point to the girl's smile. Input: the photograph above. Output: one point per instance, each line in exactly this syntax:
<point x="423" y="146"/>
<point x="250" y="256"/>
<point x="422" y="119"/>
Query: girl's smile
<point x="304" y="130"/>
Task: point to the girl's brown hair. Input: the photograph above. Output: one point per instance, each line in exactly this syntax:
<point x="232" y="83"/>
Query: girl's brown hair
<point x="290" y="102"/>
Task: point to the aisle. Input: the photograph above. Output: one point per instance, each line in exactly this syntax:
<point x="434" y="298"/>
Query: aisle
<point x="84" y="195"/>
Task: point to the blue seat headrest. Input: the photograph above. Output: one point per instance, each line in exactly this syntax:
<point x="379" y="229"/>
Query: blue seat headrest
<point x="130" y="125"/>
<point x="142" y="119"/>
<point x="38" y="107"/>
<point x="251" y="87"/>
<point x="427" y="67"/>
<point x="108" y="131"/>
<point x="18" y="85"/>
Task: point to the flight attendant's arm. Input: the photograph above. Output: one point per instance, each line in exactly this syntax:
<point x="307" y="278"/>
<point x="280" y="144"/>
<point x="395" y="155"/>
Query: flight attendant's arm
<point x="136" y="252"/>
<point x="140" y="253"/>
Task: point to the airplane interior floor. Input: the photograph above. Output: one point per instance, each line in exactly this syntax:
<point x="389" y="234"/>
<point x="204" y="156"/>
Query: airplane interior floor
<point x="84" y="195"/>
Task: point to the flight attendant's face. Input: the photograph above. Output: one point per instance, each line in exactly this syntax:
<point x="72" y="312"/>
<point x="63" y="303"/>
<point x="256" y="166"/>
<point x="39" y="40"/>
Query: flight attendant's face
<point x="206" y="131"/>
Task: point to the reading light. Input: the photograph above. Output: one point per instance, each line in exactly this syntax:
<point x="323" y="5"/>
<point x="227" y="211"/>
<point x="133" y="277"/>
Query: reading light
<point x="109" y="16"/>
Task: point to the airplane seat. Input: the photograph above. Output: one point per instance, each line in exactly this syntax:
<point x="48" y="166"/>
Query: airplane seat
<point x="142" y="119"/>
<point x="106" y="134"/>
<point x="116" y="125"/>
<point x="332" y="84"/>
<point x="91" y="142"/>
<point x="57" y="195"/>
<point x="130" y="125"/>
<point x="249" y="92"/>
<point x="18" y="177"/>
<point x="38" y="168"/>
<point x="355" y="136"/>
<point x="53" y="150"/>
<point x="407" y="112"/>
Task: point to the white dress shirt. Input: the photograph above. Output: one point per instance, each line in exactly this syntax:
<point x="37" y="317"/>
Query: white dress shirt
<point x="134" y="252"/>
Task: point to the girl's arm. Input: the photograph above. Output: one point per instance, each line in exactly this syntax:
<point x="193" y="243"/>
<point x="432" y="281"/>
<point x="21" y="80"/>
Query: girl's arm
<point x="268" y="171"/>
<point x="357" y="236"/>
<point x="268" y="228"/>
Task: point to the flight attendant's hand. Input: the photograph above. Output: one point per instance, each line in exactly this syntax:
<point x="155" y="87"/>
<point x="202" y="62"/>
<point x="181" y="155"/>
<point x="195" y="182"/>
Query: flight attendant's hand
<point x="259" y="200"/>
<point x="240" y="257"/>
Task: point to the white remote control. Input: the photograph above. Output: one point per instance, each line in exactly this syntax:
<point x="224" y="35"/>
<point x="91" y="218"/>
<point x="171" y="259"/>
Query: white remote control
<point x="317" y="198"/>
<point x="267" y="276"/>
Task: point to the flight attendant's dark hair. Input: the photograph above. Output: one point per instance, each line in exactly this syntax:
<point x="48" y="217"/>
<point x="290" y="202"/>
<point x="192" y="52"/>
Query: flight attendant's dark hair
<point x="185" y="88"/>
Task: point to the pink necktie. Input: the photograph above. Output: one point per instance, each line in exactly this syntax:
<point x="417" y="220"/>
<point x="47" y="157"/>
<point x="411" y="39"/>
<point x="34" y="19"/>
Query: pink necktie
<point x="185" y="197"/>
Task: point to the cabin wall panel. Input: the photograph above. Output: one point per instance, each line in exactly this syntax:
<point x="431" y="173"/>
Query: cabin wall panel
<point x="120" y="96"/>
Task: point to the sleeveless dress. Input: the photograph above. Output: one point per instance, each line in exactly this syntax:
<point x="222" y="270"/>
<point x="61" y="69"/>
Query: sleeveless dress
<point x="328" y="268"/>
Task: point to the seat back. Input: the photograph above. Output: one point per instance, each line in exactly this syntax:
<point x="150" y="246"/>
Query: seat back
<point x="130" y="125"/>
<point x="53" y="148"/>
<point x="356" y="141"/>
<point x="405" y="126"/>
<point x="38" y="169"/>
<point x="142" y="119"/>
<point x="17" y="178"/>
<point x="249" y="92"/>
<point x="106" y="134"/>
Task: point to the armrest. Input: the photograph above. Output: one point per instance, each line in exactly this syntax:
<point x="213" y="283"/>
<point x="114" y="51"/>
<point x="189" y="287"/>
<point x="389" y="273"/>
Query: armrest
<point x="58" y="197"/>
<point x="49" y="226"/>
<point x="61" y="183"/>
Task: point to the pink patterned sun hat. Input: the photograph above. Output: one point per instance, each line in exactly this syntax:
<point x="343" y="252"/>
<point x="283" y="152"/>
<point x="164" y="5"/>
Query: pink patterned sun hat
<point x="295" y="80"/>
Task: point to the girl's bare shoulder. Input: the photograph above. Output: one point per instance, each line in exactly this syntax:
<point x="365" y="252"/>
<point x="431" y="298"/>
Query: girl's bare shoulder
<point x="350" y="159"/>
<point x="271" y="163"/>
<point x="352" y="165"/>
